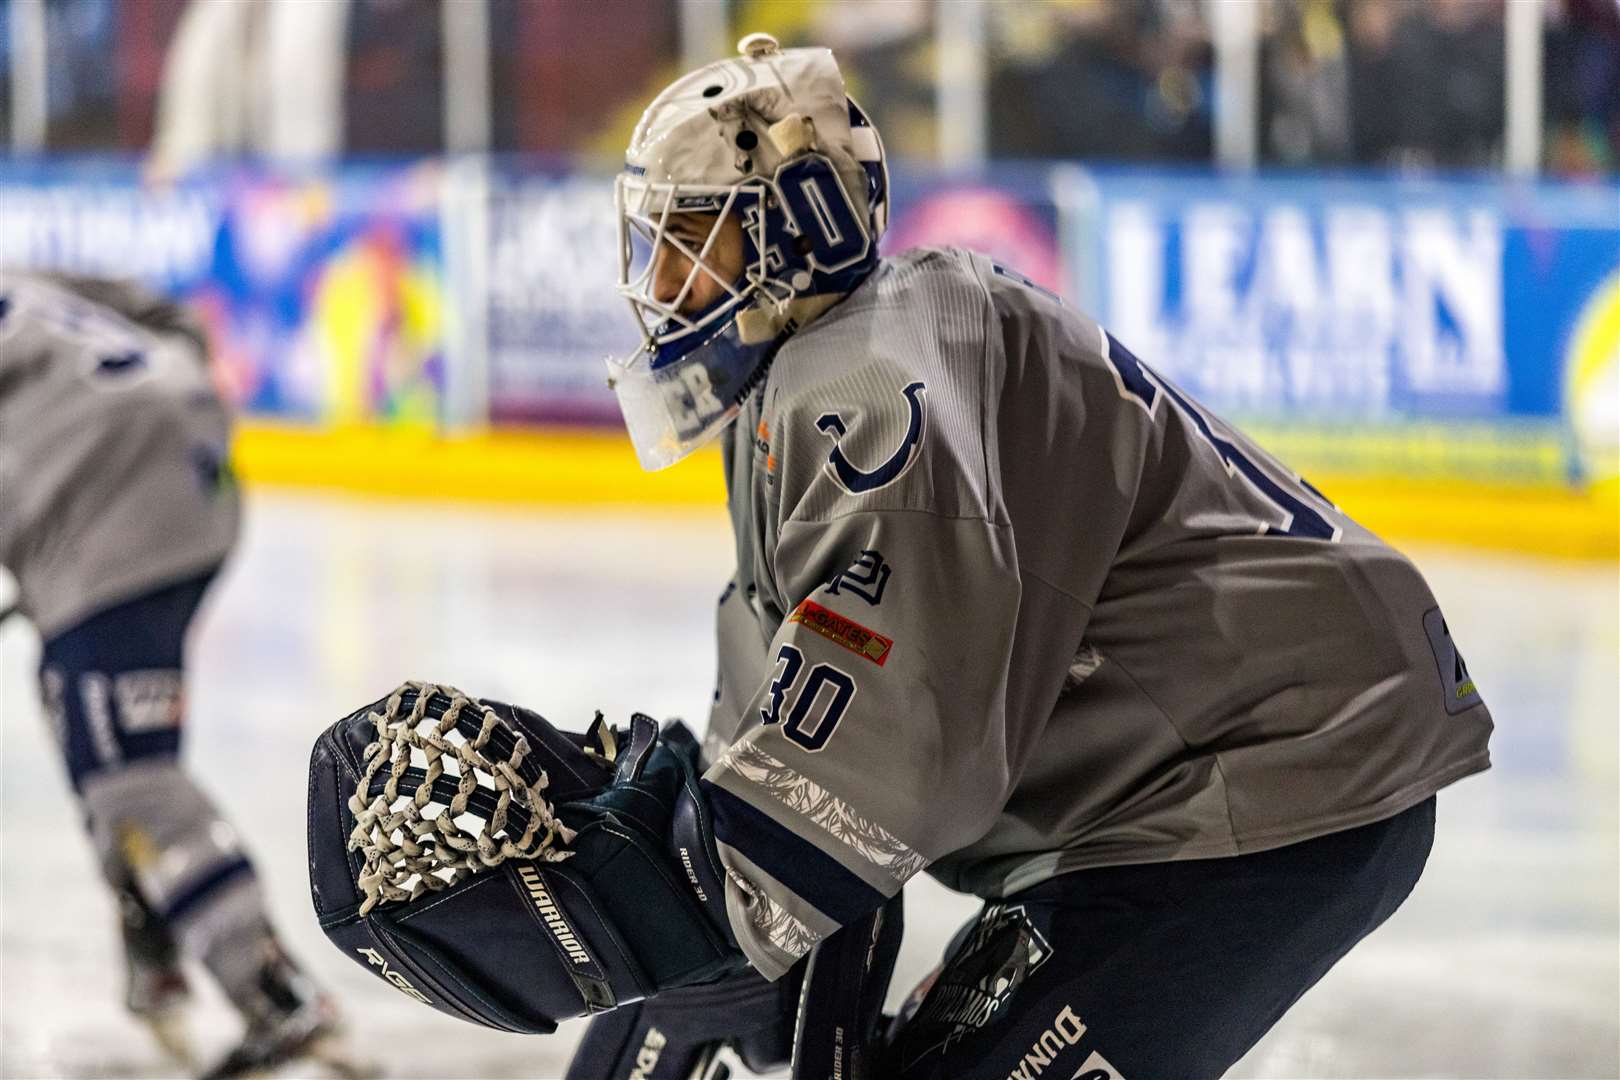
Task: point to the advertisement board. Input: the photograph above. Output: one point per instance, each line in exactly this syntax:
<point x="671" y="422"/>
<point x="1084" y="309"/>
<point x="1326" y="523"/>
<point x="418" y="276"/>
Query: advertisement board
<point x="552" y="315"/>
<point x="1371" y="308"/>
<point x="1378" y="324"/>
<point x="323" y="293"/>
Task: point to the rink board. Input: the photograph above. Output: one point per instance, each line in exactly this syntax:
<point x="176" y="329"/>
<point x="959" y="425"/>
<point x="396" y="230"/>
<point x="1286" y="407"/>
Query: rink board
<point x="596" y="467"/>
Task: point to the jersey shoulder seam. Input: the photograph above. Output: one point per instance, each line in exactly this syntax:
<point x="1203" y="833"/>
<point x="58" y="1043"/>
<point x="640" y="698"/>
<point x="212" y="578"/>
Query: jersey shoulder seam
<point x="795" y="519"/>
<point x="1026" y="572"/>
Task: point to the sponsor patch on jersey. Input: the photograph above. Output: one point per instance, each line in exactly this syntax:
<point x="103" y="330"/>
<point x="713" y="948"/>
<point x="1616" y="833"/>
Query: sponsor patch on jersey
<point x="1457" y="686"/>
<point x="846" y="632"/>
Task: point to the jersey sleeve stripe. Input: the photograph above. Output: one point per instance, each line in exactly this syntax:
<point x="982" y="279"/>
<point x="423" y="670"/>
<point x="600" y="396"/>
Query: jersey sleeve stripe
<point x="811" y="874"/>
<point x="780" y="927"/>
<point x="815" y="803"/>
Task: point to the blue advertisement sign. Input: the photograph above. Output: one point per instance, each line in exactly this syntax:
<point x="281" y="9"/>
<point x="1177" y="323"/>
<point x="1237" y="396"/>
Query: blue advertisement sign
<point x="96" y="218"/>
<point x="1379" y="301"/>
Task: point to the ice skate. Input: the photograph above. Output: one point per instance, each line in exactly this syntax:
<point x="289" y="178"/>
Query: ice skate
<point x="155" y="987"/>
<point x="309" y="1033"/>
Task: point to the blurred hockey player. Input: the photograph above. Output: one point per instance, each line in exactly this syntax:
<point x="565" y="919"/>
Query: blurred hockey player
<point x="118" y="510"/>
<point x="1011" y="608"/>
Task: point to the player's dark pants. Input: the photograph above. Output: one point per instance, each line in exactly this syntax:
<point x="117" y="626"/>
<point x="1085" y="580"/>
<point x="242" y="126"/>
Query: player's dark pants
<point x="1161" y="971"/>
<point x="112" y="683"/>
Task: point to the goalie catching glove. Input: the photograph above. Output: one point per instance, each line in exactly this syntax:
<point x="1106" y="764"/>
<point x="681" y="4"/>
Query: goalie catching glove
<point x="508" y="873"/>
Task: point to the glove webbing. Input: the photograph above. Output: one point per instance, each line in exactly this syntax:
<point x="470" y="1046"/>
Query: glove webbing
<point x="406" y="853"/>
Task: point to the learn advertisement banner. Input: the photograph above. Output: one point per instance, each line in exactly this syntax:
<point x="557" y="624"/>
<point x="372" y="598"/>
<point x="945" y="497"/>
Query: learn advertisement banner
<point x="1436" y="322"/>
<point x="323" y="293"/>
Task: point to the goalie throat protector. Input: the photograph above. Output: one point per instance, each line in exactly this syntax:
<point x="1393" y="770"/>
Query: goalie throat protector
<point x="771" y="140"/>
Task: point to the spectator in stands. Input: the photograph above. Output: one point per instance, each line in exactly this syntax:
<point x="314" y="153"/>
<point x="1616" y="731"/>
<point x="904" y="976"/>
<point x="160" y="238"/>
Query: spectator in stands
<point x="1304" y="85"/>
<point x="1426" y="83"/>
<point x="1581" y="69"/>
<point x="251" y="78"/>
<point x="1101" y="79"/>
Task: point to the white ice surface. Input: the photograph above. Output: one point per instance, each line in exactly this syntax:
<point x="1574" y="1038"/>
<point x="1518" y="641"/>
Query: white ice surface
<point x="1502" y="964"/>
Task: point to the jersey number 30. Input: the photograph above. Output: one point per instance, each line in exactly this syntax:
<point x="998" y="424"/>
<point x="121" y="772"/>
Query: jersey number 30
<point x="814" y="714"/>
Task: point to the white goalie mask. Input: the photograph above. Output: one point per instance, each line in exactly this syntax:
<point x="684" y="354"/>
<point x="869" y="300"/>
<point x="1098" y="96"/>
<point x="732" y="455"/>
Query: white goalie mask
<point x="771" y="140"/>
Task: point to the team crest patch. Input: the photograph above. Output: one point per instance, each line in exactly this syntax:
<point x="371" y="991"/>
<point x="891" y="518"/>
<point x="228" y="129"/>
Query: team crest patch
<point x="866" y="577"/>
<point x="858" y="481"/>
<point x="846" y="632"/>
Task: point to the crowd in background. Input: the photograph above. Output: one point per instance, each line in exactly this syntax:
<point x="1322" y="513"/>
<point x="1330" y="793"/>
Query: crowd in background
<point x="1385" y="83"/>
<point x="1404" y="84"/>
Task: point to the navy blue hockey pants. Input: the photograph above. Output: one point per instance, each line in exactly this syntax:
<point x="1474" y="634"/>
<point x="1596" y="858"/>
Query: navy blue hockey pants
<point x="112" y="682"/>
<point x="1155" y="972"/>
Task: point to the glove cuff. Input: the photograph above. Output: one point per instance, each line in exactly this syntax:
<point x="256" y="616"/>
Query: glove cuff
<point x="691" y="843"/>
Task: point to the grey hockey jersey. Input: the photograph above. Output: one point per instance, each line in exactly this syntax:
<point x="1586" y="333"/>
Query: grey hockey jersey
<point x="1008" y="604"/>
<point x="113" y="477"/>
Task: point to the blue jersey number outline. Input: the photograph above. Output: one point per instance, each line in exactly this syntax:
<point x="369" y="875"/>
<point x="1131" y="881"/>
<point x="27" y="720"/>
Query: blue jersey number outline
<point x="799" y="728"/>
<point x="788" y="663"/>
<point x="1141" y="384"/>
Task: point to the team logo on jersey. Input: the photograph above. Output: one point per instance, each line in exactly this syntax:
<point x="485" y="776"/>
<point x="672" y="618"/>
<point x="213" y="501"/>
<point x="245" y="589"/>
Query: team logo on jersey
<point x="858" y="481"/>
<point x="866" y="577"/>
